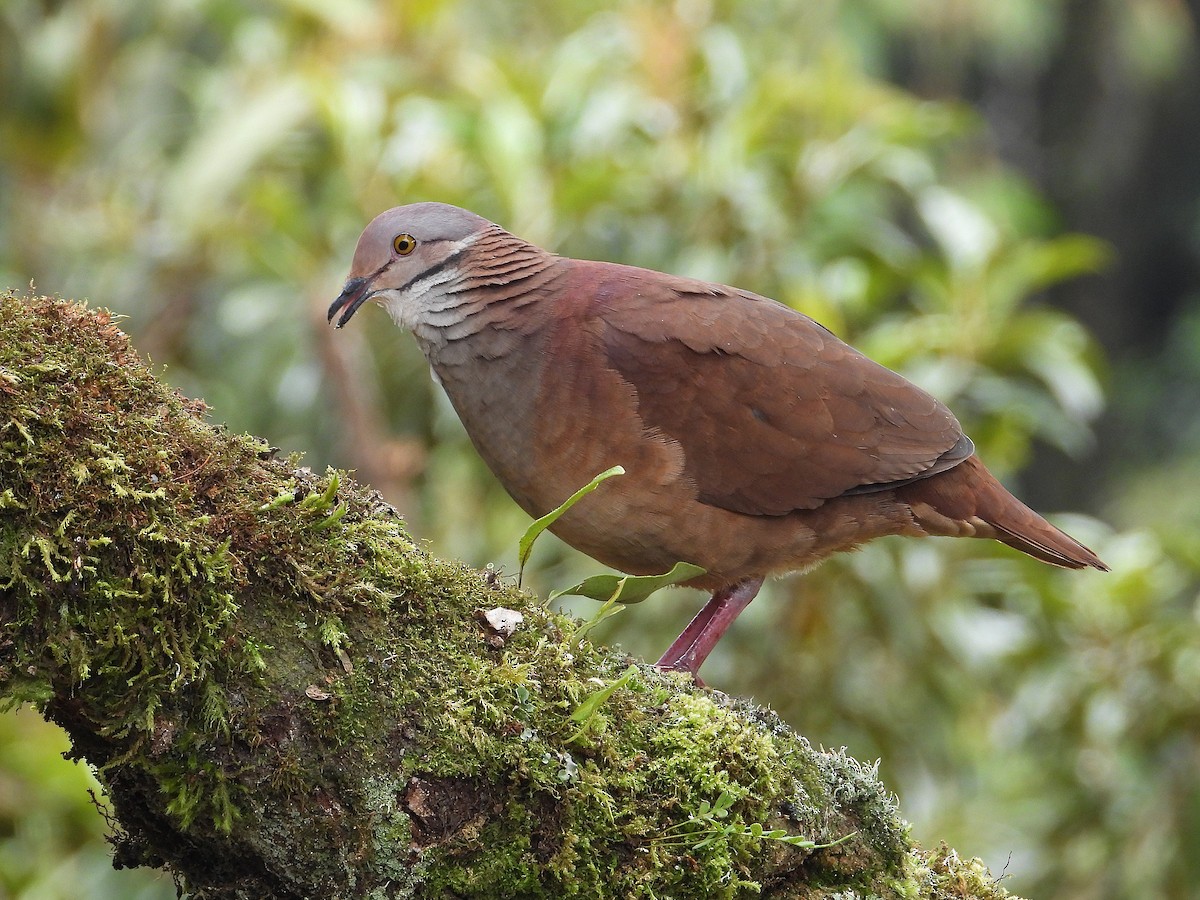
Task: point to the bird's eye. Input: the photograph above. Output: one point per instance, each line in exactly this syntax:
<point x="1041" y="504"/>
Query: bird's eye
<point x="404" y="244"/>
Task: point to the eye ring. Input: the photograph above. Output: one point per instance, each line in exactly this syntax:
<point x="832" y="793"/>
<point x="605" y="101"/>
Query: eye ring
<point x="404" y="244"/>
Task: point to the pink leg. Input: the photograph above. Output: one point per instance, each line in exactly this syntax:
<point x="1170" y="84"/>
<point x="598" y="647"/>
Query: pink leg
<point x="688" y="652"/>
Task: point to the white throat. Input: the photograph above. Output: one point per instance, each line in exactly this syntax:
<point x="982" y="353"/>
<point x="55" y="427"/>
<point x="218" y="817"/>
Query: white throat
<point x="428" y="302"/>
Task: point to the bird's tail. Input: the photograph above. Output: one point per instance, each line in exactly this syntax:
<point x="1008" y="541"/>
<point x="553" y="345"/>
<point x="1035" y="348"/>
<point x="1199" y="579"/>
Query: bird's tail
<point x="968" y="501"/>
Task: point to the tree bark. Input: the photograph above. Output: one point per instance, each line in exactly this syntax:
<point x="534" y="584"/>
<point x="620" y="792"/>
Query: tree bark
<point x="285" y="697"/>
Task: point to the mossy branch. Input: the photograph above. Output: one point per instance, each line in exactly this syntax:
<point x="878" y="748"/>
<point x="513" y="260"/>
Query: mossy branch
<point x="285" y="697"/>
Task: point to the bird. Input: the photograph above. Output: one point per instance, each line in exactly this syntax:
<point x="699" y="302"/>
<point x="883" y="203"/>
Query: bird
<point x="755" y="443"/>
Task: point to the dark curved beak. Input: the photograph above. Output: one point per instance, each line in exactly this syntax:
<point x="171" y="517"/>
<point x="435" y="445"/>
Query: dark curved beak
<point x="356" y="292"/>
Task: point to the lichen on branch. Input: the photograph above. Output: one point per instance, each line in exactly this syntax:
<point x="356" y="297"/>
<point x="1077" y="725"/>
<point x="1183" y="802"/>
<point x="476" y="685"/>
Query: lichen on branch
<point x="284" y="696"/>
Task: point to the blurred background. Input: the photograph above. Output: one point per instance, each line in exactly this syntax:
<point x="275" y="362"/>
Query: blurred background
<point x="1000" y="200"/>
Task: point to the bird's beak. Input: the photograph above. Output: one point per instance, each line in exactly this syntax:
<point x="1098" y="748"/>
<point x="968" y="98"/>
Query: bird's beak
<point x="356" y="292"/>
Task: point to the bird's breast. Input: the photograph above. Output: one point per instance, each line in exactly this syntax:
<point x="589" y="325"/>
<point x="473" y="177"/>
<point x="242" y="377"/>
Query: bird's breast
<point x="493" y="389"/>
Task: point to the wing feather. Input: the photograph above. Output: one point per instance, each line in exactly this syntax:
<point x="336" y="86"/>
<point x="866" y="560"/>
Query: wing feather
<point x="773" y="412"/>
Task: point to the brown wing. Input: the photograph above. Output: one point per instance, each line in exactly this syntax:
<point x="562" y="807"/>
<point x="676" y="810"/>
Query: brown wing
<point x="773" y="412"/>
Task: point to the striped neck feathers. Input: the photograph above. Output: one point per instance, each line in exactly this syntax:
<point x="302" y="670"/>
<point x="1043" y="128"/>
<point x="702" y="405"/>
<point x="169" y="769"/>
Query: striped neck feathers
<point x="482" y="277"/>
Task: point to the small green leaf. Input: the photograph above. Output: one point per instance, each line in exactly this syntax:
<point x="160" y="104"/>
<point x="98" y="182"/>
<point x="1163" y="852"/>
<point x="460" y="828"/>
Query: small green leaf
<point x="324" y="500"/>
<point x="332" y="519"/>
<point x="607" y="611"/>
<point x="631" y="588"/>
<point x="593" y="701"/>
<point x="797" y="840"/>
<point x="282" y="499"/>
<point x="525" y="547"/>
<point x="721" y="807"/>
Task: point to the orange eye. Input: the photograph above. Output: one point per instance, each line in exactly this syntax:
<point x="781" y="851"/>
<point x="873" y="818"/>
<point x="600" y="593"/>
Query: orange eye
<point x="404" y="244"/>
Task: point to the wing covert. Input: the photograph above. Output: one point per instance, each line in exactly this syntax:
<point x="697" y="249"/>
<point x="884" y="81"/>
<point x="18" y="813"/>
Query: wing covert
<point x="773" y="412"/>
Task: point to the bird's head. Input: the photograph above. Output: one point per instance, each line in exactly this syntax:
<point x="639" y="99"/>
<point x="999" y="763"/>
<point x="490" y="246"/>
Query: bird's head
<point x="403" y="253"/>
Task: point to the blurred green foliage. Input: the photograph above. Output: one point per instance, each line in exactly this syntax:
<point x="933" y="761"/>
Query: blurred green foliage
<point x="51" y="833"/>
<point x="204" y="168"/>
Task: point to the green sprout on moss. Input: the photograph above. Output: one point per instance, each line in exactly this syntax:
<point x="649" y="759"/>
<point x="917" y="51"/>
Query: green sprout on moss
<point x="283" y="498"/>
<point x="585" y="714"/>
<point x="622" y="589"/>
<point x="320" y="502"/>
<point x="326" y="500"/>
<point x="525" y="547"/>
<point x="316" y="504"/>
<point x="524" y="701"/>
<point x="707" y="826"/>
<point x="606" y="611"/>
<point x="333" y="632"/>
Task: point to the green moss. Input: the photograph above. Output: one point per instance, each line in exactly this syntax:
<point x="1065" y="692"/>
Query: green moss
<point x="944" y="875"/>
<point x="661" y="755"/>
<point x="287" y="697"/>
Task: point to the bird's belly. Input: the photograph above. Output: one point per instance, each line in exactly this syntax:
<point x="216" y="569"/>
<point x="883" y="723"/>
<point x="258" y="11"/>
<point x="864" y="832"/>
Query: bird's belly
<point x="642" y="530"/>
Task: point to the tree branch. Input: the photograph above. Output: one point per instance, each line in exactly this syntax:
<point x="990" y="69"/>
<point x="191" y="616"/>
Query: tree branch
<point x="285" y="697"/>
